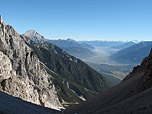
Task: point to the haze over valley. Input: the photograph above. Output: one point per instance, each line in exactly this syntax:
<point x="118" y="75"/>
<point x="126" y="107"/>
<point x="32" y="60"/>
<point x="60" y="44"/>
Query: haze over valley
<point x="76" y="57"/>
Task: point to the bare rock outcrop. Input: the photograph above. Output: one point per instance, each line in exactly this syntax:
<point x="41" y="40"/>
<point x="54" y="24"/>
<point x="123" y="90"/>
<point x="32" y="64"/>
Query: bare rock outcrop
<point x="6" y="70"/>
<point x="21" y="73"/>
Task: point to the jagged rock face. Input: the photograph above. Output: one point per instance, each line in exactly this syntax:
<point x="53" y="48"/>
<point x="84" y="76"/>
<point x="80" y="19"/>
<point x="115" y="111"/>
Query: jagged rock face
<point x="144" y="68"/>
<point x="146" y="65"/>
<point x="21" y="73"/>
<point x="35" y="36"/>
<point x="6" y="70"/>
<point x="148" y="72"/>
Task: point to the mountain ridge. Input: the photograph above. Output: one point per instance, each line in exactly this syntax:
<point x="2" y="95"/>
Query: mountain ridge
<point x="62" y="53"/>
<point x="129" y="55"/>
<point x="74" y="48"/>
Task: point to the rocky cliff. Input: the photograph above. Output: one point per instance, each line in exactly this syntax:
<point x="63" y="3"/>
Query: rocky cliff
<point x="145" y="68"/>
<point x="21" y="73"/>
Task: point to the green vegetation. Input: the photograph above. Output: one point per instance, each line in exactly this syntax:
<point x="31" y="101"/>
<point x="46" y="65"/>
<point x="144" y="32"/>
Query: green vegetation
<point x="113" y="73"/>
<point x="72" y="77"/>
<point x="77" y="72"/>
<point x="119" y="71"/>
<point x="68" y="92"/>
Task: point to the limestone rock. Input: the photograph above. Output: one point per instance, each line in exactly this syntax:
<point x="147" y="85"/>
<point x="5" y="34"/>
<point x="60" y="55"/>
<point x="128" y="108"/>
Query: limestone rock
<point x="21" y="73"/>
<point x="6" y="70"/>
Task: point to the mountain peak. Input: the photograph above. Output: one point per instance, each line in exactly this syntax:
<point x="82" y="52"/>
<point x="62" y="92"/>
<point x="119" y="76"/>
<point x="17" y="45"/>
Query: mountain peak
<point x="31" y="32"/>
<point x="35" y="36"/>
<point x="6" y="30"/>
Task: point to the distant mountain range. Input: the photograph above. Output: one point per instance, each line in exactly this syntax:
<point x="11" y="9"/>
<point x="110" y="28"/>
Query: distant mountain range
<point x="103" y="43"/>
<point x="125" y="45"/>
<point x="74" y="48"/>
<point x="133" y="54"/>
<point x="110" y="44"/>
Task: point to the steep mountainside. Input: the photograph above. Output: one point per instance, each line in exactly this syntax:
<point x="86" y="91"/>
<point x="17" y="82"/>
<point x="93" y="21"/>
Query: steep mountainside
<point x="14" y="105"/>
<point x="21" y="73"/>
<point x="71" y="68"/>
<point x="133" y="54"/>
<point x="74" y="48"/>
<point x="68" y="66"/>
<point x="73" y="83"/>
<point x="85" y="45"/>
<point x="133" y="95"/>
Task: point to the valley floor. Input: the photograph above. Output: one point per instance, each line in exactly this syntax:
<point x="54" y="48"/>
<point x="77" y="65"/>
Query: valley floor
<point x="112" y="71"/>
<point x="102" y="56"/>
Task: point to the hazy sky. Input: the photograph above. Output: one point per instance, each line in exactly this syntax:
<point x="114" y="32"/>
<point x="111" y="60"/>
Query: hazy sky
<point x="81" y="19"/>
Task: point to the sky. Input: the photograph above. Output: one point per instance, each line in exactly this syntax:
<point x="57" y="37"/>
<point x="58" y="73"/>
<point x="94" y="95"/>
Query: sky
<point x="81" y="19"/>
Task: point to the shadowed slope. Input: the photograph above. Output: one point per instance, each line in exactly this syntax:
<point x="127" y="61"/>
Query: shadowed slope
<point x="9" y="104"/>
<point x="133" y="88"/>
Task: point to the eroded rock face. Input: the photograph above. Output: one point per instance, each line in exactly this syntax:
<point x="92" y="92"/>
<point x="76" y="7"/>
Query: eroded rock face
<point x="21" y="73"/>
<point x="146" y="69"/>
<point x="147" y="63"/>
<point x="6" y="70"/>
